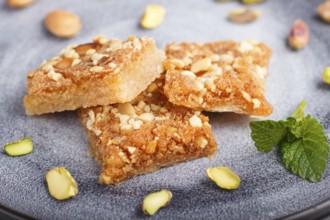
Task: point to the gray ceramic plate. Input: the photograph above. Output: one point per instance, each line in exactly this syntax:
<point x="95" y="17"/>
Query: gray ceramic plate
<point x="267" y="190"/>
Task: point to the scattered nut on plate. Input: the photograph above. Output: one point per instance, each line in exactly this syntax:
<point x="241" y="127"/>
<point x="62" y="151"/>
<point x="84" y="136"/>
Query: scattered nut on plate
<point x="244" y="15"/>
<point x="250" y="2"/>
<point x="63" y="23"/>
<point x="153" y="16"/>
<point x="19" y="3"/>
<point x="224" y="177"/>
<point x="154" y="201"/>
<point x="19" y="148"/>
<point x="324" y="11"/>
<point x="61" y="184"/>
<point x="222" y="1"/>
<point x="326" y="75"/>
<point x="299" y="35"/>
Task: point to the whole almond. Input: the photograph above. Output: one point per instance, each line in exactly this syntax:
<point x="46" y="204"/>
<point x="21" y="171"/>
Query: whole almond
<point x="19" y="3"/>
<point x="63" y="23"/>
<point x="324" y="11"/>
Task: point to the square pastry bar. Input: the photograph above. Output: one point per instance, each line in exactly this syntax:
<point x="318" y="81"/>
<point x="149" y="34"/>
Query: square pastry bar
<point x="146" y="134"/>
<point x="98" y="73"/>
<point x="222" y="76"/>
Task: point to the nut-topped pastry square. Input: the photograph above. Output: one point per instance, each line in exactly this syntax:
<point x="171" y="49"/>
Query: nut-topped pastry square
<point x="223" y="76"/>
<point x="98" y="73"/>
<point x="146" y="134"/>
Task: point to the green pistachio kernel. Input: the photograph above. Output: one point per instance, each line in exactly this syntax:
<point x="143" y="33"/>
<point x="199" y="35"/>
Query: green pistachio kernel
<point x="326" y="75"/>
<point x="19" y="148"/>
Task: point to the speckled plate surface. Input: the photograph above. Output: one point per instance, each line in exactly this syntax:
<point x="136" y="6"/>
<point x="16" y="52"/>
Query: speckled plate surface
<point x="267" y="190"/>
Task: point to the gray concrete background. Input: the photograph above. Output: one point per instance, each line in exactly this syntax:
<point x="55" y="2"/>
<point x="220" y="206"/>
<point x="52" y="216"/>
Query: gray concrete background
<point x="267" y="191"/>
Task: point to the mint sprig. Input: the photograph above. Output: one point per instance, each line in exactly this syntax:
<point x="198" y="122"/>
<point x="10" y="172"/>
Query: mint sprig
<point x="303" y="145"/>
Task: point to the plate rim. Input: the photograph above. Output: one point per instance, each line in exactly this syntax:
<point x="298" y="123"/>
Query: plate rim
<point x="318" y="211"/>
<point x="12" y="214"/>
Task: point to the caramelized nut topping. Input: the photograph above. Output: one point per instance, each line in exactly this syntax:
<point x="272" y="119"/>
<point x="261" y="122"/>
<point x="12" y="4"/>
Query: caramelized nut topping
<point x="177" y="63"/>
<point x="201" y="65"/>
<point x="53" y="75"/>
<point x="147" y="117"/>
<point x="137" y="44"/>
<point x="126" y="109"/>
<point x="96" y="69"/>
<point x="63" y="64"/>
<point x="188" y="73"/>
<point x="115" y="45"/>
<point x="90" y="52"/>
<point x="195" y="121"/>
<point x="82" y="49"/>
<point x="246" y="96"/>
<point x="151" y="147"/>
<point x="96" y="57"/>
<point x="152" y="87"/>
<point x="75" y="62"/>
<point x="131" y="150"/>
<point x="201" y="141"/>
<point x="256" y="103"/>
<point x="112" y="65"/>
<point x="100" y="39"/>
<point x="47" y="67"/>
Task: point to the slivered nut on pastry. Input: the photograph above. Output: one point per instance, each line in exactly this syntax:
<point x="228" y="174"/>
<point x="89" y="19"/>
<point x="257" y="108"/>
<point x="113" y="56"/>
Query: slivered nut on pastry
<point x="201" y="65"/>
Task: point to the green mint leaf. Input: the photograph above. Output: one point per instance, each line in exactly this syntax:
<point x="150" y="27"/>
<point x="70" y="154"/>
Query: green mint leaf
<point x="305" y="151"/>
<point x="299" y="113"/>
<point x="267" y="134"/>
<point x="309" y="128"/>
